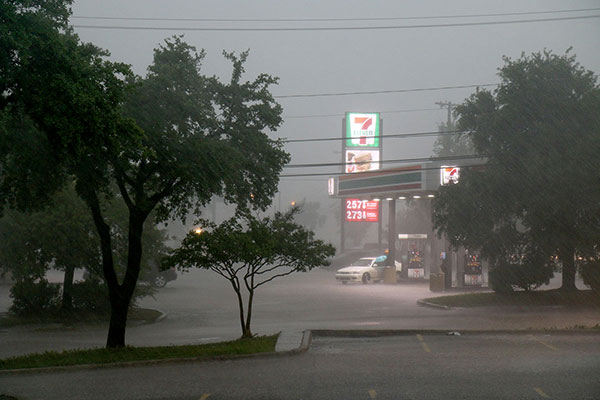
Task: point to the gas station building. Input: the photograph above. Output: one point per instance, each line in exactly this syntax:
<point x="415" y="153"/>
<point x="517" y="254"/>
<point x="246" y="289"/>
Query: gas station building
<point x="366" y="192"/>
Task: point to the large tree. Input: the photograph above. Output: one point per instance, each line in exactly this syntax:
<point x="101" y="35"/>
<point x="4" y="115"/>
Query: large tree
<point x="177" y="139"/>
<point x="200" y="137"/>
<point x="250" y="252"/>
<point x="539" y="194"/>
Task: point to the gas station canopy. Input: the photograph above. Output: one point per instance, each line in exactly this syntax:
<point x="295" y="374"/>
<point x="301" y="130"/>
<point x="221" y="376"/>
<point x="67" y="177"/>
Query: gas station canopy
<point x="413" y="180"/>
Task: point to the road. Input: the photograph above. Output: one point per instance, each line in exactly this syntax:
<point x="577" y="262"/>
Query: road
<point x="201" y="307"/>
<point x="483" y="366"/>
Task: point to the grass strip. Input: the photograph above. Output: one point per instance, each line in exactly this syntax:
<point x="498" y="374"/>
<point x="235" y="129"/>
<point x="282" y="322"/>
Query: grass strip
<point x="259" y="344"/>
<point x="580" y="298"/>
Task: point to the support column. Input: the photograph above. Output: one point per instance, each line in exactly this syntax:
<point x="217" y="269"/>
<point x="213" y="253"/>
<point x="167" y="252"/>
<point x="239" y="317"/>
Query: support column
<point x="390" y="271"/>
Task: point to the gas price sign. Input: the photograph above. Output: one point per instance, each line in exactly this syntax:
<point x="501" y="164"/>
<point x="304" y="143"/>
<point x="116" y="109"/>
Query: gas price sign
<point x="362" y="210"/>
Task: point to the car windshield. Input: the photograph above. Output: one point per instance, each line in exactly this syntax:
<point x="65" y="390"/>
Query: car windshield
<point x="363" y="262"/>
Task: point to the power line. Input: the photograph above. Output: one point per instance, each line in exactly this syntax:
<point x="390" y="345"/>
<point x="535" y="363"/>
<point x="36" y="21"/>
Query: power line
<point x="339" y="28"/>
<point x="383" y="137"/>
<point x="332" y="19"/>
<point x="407" y="160"/>
<point x="288" y="96"/>
<point x="343" y="114"/>
<point x="330" y="174"/>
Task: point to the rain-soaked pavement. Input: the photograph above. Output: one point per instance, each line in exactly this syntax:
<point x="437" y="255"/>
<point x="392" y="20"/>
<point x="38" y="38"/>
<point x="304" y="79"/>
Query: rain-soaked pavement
<point x="200" y="307"/>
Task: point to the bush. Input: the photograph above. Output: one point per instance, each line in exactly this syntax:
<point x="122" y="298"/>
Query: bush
<point x="590" y="272"/>
<point x="34" y="297"/>
<point x="504" y="277"/>
<point x="90" y="295"/>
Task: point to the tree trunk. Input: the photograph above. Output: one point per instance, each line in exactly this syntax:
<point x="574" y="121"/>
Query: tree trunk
<point x="67" y="297"/>
<point x="119" y="305"/>
<point x="567" y="256"/>
<point x="238" y="293"/>
<point x="247" y="330"/>
<point x="120" y="297"/>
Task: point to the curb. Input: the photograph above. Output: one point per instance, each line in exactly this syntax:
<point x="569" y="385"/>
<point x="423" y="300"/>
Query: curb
<point x="444" y="332"/>
<point x="433" y="305"/>
<point x="139" y="322"/>
<point x="304" y="346"/>
<point x="162" y="316"/>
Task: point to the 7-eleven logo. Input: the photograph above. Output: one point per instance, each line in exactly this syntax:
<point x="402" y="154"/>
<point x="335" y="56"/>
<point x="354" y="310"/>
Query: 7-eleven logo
<point x="362" y="129"/>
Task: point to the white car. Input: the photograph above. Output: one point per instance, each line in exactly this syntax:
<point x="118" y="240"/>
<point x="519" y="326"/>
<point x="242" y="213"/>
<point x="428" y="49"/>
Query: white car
<point x="363" y="270"/>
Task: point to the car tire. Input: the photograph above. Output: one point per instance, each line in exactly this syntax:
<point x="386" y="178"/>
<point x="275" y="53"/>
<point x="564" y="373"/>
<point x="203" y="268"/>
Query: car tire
<point x="344" y="282"/>
<point x="159" y="281"/>
<point x="366" y="278"/>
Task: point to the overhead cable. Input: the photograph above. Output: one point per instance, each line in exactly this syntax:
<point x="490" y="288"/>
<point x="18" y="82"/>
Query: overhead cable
<point x="334" y="28"/>
<point x="332" y="19"/>
<point x="404" y="160"/>
<point x="429" y="89"/>
<point x="383" y="137"/>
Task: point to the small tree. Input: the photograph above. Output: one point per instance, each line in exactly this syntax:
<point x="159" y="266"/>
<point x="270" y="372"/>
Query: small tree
<point x="250" y="252"/>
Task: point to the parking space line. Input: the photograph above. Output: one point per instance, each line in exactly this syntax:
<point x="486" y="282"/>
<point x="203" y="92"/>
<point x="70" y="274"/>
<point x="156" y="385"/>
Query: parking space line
<point x="204" y="396"/>
<point x="372" y="394"/>
<point x="541" y="393"/>
<point x="425" y="347"/>
<point x="545" y="344"/>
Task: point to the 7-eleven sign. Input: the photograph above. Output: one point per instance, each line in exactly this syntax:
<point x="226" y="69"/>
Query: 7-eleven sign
<point x="362" y="130"/>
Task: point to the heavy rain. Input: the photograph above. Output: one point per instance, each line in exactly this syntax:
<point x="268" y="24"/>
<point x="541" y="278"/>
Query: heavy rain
<point x="299" y="200"/>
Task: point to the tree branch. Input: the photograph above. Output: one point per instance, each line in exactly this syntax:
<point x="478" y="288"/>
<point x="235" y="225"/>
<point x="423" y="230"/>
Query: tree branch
<point x="273" y="277"/>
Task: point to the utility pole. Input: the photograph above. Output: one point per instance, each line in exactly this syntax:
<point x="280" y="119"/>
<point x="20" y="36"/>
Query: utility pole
<point x="449" y="254"/>
<point x="449" y="105"/>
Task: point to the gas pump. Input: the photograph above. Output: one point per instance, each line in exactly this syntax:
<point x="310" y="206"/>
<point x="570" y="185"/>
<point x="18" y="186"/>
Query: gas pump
<point x="416" y="269"/>
<point x="473" y="270"/>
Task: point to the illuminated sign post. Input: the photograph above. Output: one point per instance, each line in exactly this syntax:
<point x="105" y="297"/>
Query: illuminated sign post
<point x="362" y="210"/>
<point x="361" y="152"/>
<point x="363" y="142"/>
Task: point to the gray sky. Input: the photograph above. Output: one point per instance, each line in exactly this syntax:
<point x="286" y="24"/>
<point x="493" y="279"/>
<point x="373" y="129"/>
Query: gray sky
<point x="309" y="62"/>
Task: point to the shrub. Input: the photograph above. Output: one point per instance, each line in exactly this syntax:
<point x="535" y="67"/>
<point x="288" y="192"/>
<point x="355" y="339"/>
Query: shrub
<point x="34" y="297"/>
<point x="590" y="272"/>
<point x="504" y="277"/>
<point x="90" y="295"/>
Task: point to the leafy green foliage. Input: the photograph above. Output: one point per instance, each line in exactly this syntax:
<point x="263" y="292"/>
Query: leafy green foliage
<point x="590" y="272"/>
<point x="252" y="252"/>
<point x="540" y="132"/>
<point x="34" y="296"/>
<point x="450" y="143"/>
<point x="62" y="236"/>
<point x="168" y="142"/>
<point x="505" y="277"/>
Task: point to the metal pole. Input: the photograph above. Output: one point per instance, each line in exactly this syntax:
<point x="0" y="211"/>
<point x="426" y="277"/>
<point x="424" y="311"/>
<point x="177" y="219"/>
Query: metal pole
<point x="342" y="201"/>
<point x="390" y="271"/>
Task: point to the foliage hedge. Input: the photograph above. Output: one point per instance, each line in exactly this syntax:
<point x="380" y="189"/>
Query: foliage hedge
<point x="39" y="297"/>
<point x="590" y="272"/>
<point x="504" y="277"/>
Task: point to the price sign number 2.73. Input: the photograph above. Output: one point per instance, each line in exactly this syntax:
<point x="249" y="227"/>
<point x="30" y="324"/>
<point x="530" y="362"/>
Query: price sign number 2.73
<point x="356" y="215"/>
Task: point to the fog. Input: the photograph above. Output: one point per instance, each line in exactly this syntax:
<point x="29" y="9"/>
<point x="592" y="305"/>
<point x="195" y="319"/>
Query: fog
<point x="343" y="61"/>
